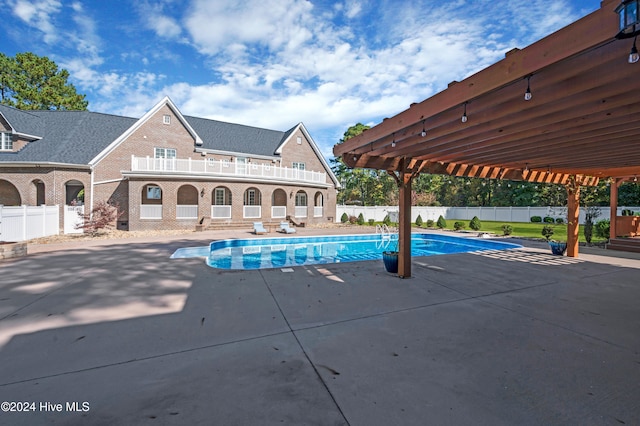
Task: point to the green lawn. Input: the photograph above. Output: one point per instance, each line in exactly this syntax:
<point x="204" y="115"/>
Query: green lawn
<point x="529" y="230"/>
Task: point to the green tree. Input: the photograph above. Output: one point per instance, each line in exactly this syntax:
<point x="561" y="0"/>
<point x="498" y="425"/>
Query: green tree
<point x="33" y="82"/>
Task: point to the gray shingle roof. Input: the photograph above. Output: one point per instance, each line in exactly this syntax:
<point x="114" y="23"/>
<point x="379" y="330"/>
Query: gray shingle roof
<point x="221" y="136"/>
<point x="75" y="137"/>
<point x="70" y="137"/>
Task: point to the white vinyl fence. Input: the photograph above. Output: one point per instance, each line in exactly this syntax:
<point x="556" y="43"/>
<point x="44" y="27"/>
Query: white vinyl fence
<point x="497" y="214"/>
<point x="22" y="223"/>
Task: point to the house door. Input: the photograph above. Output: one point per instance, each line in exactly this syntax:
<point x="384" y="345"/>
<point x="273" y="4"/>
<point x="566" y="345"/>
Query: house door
<point x="241" y="166"/>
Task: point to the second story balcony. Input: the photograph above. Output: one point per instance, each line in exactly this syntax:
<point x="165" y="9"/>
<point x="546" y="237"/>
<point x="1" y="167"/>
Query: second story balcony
<point x="222" y="168"/>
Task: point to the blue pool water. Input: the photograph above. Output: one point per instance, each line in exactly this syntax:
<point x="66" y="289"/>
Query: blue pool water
<point x="261" y="253"/>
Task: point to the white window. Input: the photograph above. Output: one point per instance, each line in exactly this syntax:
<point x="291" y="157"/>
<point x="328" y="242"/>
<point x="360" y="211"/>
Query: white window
<point x="299" y="140"/>
<point x="219" y="197"/>
<point x="165" y="153"/>
<point x="6" y="142"/>
<point x="154" y="192"/>
<point x="301" y="199"/>
<point x="298" y="166"/>
<point x="225" y="163"/>
<point x="166" y="119"/>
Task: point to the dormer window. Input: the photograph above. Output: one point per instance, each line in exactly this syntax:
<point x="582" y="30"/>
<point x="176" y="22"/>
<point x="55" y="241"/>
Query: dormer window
<point x="6" y="141"/>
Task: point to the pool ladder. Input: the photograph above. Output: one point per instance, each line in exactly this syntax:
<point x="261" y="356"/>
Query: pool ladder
<point x="384" y="232"/>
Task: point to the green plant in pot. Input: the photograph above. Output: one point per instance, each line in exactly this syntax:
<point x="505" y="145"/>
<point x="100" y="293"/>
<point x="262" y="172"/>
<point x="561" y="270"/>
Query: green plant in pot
<point x="557" y="247"/>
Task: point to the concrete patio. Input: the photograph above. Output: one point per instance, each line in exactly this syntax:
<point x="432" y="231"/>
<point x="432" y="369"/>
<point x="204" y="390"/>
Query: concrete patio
<point x="132" y="337"/>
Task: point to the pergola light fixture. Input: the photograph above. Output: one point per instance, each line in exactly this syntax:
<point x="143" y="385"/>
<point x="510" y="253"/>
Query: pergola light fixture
<point x="629" y="25"/>
<point x="527" y="94"/>
<point x="633" y="55"/>
<point x="464" y="114"/>
<point x="424" y="132"/>
<point x="393" y="142"/>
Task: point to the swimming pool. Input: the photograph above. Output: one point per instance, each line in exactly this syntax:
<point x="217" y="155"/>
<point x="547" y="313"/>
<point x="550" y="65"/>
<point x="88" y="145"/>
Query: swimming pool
<point x="262" y="253"/>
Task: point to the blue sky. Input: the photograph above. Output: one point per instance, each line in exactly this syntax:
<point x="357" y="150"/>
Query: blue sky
<point x="274" y="63"/>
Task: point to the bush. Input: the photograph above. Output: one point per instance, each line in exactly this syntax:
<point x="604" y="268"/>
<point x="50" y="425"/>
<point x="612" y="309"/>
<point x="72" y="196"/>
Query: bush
<point x="441" y="223"/>
<point x="344" y="218"/>
<point x="559" y="220"/>
<point x="386" y="220"/>
<point x="430" y="223"/>
<point x="548" y="219"/>
<point x="547" y="231"/>
<point x="360" y="219"/>
<point x="602" y="228"/>
<point x="475" y="224"/>
<point x="353" y="220"/>
<point x="103" y="216"/>
<point x="419" y="221"/>
<point x="507" y="229"/>
<point x="536" y="219"/>
<point x="371" y="221"/>
<point x="458" y="226"/>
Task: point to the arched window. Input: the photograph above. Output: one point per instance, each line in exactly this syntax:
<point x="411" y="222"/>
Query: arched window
<point x="9" y="195"/>
<point x="39" y="189"/>
<point x="279" y="204"/>
<point x="318" y="204"/>
<point x="74" y="193"/>
<point x="187" y="205"/>
<point x="252" y="203"/>
<point x="301" y="204"/>
<point x="151" y="202"/>
<point x="221" y="203"/>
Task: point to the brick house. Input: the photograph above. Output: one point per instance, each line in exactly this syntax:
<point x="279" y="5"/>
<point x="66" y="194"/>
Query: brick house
<point x="165" y="170"/>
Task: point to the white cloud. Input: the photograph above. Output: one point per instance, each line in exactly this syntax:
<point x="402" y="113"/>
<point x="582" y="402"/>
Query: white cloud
<point x="39" y="15"/>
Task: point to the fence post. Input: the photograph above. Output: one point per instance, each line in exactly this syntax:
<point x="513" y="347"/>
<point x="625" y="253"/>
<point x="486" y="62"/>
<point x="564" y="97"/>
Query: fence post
<point x="24" y="222"/>
<point x="1" y="206"/>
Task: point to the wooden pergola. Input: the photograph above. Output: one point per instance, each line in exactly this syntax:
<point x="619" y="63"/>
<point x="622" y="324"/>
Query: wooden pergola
<point x="580" y="125"/>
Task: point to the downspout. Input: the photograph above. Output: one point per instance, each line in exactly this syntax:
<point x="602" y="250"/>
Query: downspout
<point x="92" y="188"/>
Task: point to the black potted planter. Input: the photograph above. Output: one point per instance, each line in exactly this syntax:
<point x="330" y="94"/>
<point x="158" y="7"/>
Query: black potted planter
<point x="390" y="259"/>
<point x="558" y="247"/>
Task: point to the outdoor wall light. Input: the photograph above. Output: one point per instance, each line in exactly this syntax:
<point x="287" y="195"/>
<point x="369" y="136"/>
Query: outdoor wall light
<point x="629" y="17"/>
<point x="527" y="94"/>
<point x="627" y="12"/>
<point x="202" y="192"/>
<point x="424" y="132"/>
<point x="464" y="114"/>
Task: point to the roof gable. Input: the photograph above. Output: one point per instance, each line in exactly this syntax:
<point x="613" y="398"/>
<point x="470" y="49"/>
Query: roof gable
<point x="124" y="135"/>
<point x="23" y="123"/>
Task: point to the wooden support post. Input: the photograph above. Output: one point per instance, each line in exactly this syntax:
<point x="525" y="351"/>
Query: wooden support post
<point x="573" y="216"/>
<point x="613" y="203"/>
<point x="404" y="227"/>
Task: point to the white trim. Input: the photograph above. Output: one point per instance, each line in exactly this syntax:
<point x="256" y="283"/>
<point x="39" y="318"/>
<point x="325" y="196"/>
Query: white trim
<point x="43" y="163"/>
<point x="108" y="181"/>
<point x="237" y="154"/>
<point x="221" y="178"/>
<point x="165" y="101"/>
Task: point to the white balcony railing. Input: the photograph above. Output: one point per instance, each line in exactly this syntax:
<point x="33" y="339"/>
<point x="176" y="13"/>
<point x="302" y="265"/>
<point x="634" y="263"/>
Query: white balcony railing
<point x="318" y="211"/>
<point x="221" y="212"/>
<point x="150" y="211"/>
<point x="184" y="211"/>
<point x="209" y="166"/>
<point x="278" y="212"/>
